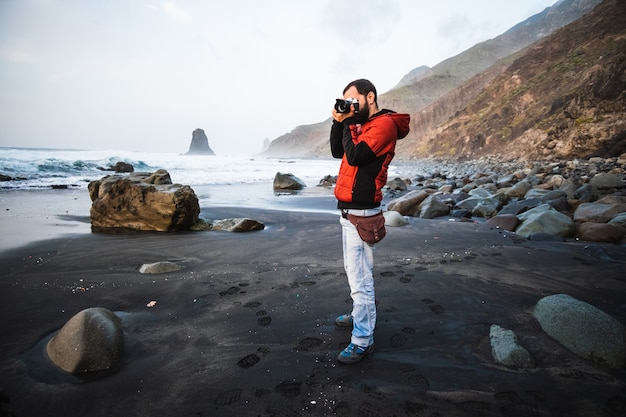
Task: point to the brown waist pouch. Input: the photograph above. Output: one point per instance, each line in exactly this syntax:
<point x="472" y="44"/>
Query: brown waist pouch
<point x="370" y="228"/>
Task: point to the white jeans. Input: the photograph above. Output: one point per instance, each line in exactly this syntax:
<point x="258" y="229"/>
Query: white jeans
<point x="358" y="261"/>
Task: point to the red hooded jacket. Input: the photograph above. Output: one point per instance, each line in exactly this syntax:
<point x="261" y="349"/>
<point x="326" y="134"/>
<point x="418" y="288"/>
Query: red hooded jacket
<point x="366" y="151"/>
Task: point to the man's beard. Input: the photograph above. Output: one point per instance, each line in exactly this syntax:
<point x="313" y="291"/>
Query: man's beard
<point x="364" y="114"/>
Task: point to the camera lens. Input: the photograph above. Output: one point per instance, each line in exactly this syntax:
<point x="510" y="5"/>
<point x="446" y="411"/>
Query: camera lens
<point x="342" y="106"/>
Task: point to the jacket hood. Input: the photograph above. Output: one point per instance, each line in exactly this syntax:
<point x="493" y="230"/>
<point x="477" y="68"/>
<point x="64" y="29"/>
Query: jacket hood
<point x="401" y="120"/>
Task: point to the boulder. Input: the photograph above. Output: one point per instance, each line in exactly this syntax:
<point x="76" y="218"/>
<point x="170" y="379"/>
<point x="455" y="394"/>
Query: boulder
<point x="605" y="181"/>
<point x="433" y="207"/>
<point x="600" y="232"/>
<point x="142" y="201"/>
<point x="408" y="204"/>
<point x="487" y="207"/>
<point x="520" y="206"/>
<point x="199" y="144"/>
<point x="238" y="225"/>
<point x="328" y="181"/>
<point x="601" y="211"/>
<point x="288" y="182"/>
<point x="545" y="219"/>
<point x="504" y="222"/>
<point x="90" y="341"/>
<point x="394" y="219"/>
<point x="162" y="267"/>
<point x="586" y="193"/>
<point x="519" y="189"/>
<point x="397" y="184"/>
<point x="619" y="220"/>
<point x="583" y="329"/>
<point x="120" y="167"/>
<point x="506" y="349"/>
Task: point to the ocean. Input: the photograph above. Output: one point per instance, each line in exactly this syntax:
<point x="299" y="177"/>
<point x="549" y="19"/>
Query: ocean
<point x="38" y="168"/>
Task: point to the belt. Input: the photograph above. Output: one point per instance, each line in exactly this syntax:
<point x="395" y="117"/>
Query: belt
<point x="360" y="212"/>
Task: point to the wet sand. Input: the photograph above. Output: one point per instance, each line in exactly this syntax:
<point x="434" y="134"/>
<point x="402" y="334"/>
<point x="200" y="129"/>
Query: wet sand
<point x="247" y="327"/>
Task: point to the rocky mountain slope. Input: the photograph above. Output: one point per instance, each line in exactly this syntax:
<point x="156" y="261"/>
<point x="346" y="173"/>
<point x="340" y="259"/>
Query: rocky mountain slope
<point x="563" y="97"/>
<point x="432" y="95"/>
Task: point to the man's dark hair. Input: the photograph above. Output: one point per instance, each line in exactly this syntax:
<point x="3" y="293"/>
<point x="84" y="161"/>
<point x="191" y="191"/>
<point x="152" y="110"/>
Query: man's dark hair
<point x="363" y="86"/>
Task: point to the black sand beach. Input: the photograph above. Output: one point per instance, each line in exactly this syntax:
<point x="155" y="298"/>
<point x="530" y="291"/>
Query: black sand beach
<point x="247" y="327"/>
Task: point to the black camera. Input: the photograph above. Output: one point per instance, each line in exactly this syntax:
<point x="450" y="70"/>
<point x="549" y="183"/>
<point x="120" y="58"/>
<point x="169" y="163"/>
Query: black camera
<point x="343" y="106"/>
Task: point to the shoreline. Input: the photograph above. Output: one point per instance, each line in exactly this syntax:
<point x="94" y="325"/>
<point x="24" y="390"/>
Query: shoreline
<point x="29" y="216"/>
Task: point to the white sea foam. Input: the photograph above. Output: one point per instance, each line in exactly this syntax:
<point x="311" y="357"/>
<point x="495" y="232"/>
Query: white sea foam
<point x="42" y="168"/>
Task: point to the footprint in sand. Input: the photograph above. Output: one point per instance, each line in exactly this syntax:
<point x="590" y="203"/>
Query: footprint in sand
<point x="400" y="339"/>
<point x="228" y="397"/>
<point x="435" y="308"/>
<point x="310" y="344"/>
<point x="264" y="319"/>
<point x="249" y="361"/>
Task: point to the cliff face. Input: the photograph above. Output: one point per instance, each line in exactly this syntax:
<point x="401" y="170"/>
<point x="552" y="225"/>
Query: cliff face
<point x="434" y="95"/>
<point x="563" y="97"/>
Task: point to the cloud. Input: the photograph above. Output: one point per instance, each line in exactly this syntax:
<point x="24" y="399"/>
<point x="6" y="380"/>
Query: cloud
<point x="18" y="56"/>
<point x="174" y="11"/>
<point x="350" y="20"/>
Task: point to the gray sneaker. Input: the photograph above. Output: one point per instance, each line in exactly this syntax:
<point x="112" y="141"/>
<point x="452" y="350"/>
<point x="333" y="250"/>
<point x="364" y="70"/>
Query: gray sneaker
<point x="353" y="353"/>
<point x="344" y="320"/>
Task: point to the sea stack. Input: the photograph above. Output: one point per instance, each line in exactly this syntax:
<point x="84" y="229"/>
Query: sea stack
<point x="199" y="144"/>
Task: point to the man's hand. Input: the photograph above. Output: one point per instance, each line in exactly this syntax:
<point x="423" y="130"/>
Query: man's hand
<point x="340" y="117"/>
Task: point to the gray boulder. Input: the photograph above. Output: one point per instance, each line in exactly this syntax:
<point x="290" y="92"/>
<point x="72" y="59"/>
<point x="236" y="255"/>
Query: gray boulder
<point x="433" y="207"/>
<point x="397" y="184"/>
<point x="583" y="329"/>
<point x="90" y="341"/>
<point x="163" y="267"/>
<point x="288" y="182"/>
<point x="238" y="225"/>
<point x="520" y="189"/>
<point x="605" y="181"/>
<point x="545" y="219"/>
<point x="394" y="219"/>
<point x="619" y="220"/>
<point x="506" y="349"/>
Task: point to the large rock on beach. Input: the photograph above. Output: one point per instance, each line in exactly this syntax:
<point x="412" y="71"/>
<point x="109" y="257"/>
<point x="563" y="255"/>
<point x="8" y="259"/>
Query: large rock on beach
<point x="600" y="232"/>
<point x="408" y="204"/>
<point x="394" y="219"/>
<point x="545" y="219"/>
<point x="142" y="201"/>
<point x="605" y="180"/>
<point x="504" y="222"/>
<point x="583" y="329"/>
<point x="90" y="341"/>
<point x="433" y="207"/>
<point x="601" y="211"/>
<point x="238" y="225"/>
<point x="288" y="182"/>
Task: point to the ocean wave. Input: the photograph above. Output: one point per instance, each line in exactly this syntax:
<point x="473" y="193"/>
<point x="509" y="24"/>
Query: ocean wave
<point x="30" y="168"/>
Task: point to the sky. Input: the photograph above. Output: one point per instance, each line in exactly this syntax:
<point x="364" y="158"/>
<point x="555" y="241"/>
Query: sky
<point x="141" y="75"/>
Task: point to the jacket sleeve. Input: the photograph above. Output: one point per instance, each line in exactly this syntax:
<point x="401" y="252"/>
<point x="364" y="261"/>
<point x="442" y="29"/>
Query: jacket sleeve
<point x="360" y="153"/>
<point x="336" y="134"/>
